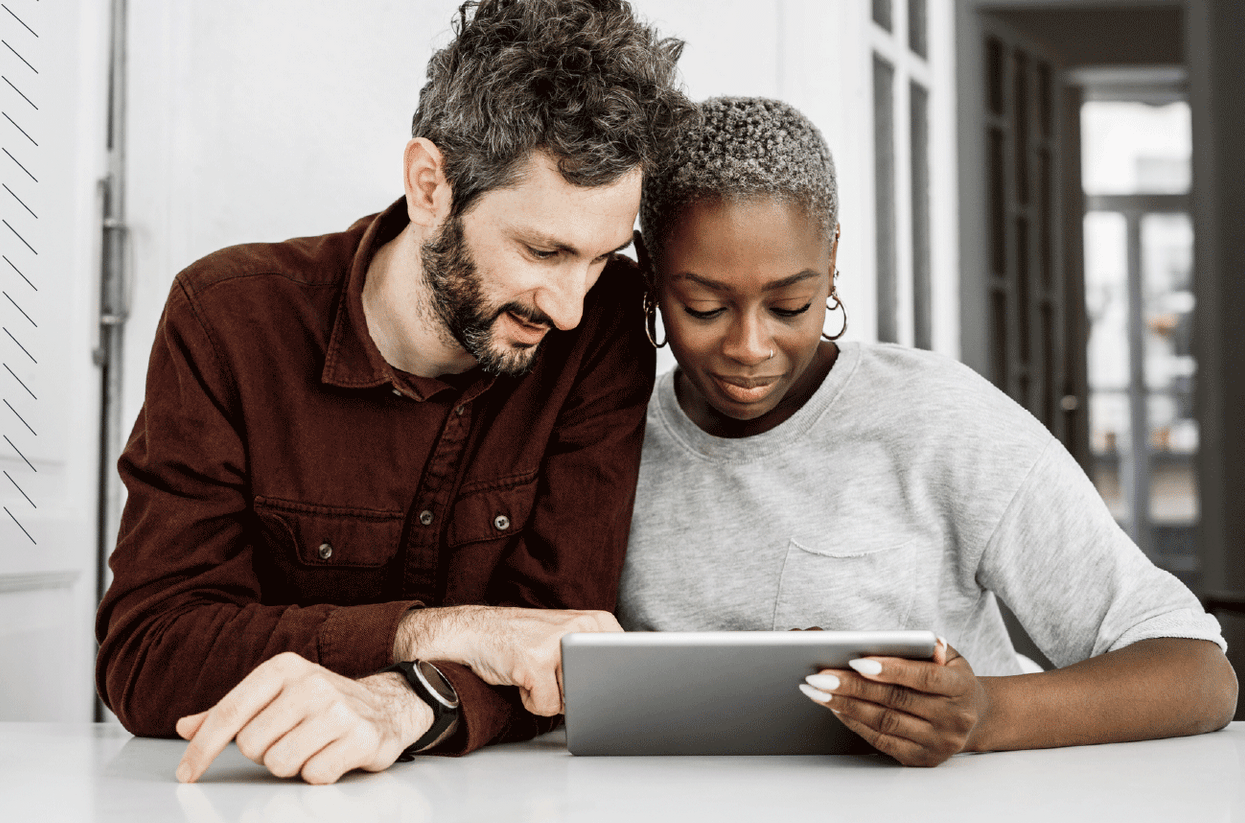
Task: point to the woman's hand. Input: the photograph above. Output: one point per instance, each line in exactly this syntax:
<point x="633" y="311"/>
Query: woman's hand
<point x="920" y="712"/>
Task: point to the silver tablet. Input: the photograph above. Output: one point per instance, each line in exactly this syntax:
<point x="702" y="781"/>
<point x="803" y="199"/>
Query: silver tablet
<point x="701" y="693"/>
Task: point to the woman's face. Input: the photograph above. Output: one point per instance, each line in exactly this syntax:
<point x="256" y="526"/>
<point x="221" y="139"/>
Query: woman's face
<point x="742" y="289"/>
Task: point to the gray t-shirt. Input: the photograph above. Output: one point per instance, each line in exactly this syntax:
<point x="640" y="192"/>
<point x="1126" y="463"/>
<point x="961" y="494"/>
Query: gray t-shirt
<point x="906" y="494"/>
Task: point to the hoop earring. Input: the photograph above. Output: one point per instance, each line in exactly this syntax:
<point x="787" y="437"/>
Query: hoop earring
<point x="838" y="305"/>
<point x="650" y="321"/>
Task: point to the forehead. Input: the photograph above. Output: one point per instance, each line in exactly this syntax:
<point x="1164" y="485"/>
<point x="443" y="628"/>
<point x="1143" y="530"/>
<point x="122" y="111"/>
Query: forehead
<point x="741" y="240"/>
<point x="541" y="204"/>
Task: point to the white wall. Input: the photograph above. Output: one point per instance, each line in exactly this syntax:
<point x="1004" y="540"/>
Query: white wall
<point x="49" y="383"/>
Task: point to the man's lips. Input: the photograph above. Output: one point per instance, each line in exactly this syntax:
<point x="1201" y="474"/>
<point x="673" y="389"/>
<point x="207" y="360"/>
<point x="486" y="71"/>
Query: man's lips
<point x="527" y="333"/>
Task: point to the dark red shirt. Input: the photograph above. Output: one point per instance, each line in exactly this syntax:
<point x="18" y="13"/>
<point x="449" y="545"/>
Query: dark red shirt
<point x="289" y="490"/>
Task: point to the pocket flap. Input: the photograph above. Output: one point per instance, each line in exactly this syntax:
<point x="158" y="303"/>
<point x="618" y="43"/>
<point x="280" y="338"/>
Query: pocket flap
<point x="492" y="513"/>
<point x="332" y="538"/>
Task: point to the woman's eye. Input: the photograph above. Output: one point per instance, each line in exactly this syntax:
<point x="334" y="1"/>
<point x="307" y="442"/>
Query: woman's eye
<point x="792" y="312"/>
<point x="703" y="315"/>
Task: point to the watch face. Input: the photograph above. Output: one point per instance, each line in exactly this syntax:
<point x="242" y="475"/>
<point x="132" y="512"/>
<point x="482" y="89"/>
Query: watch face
<point x="436" y="680"/>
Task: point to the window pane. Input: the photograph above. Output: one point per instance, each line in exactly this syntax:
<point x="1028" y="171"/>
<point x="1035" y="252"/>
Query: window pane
<point x="923" y="333"/>
<point x="1106" y="305"/>
<point x="1170" y="368"/>
<point x="918" y="41"/>
<point x="1135" y="148"/>
<point x="882" y="13"/>
<point x="884" y="186"/>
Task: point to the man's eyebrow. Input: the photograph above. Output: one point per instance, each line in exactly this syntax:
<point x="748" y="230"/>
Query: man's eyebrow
<point x="538" y="239"/>
<point x="773" y="285"/>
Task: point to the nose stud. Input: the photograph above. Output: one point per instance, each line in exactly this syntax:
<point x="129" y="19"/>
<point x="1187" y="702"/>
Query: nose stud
<point x="771" y="355"/>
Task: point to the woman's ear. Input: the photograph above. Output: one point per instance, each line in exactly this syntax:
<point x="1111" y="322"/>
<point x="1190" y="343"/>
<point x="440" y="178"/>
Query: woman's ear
<point x="646" y="263"/>
<point x="834" y="252"/>
<point x="428" y="193"/>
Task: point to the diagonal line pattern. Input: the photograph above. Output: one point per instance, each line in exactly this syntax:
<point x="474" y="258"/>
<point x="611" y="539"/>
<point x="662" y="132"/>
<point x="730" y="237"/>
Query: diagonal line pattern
<point x="20" y="489"/>
<point x="19" y="57"/>
<point x="19" y="345"/>
<point x="19" y="91"/>
<point x="19" y="380"/>
<point x="19" y="308"/>
<point x="19" y="271"/>
<point x="18" y="19"/>
<point x="19" y="237"/>
<point x="19" y="417"/>
<point x="19" y="163"/>
<point x="19" y="525"/>
<point x="19" y="454"/>
<point x="19" y="128"/>
<point x="20" y="200"/>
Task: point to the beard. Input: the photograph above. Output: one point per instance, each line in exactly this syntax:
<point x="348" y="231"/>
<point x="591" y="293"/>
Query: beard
<point x="457" y="297"/>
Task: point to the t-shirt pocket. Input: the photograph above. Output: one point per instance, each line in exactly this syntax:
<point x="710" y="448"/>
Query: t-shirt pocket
<point x="846" y="585"/>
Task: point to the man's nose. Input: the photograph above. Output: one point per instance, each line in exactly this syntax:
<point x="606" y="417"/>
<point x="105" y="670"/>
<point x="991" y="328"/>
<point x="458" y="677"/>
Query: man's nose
<point x="563" y="298"/>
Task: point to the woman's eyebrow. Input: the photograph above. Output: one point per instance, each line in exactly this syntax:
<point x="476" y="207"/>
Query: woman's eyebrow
<point x="716" y="285"/>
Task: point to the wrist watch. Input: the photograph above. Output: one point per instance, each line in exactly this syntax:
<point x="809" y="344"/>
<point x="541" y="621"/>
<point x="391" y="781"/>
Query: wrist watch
<point x="435" y="690"/>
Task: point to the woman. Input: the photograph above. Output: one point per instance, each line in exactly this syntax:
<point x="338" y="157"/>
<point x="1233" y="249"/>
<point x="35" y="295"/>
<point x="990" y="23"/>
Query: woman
<point x="789" y="481"/>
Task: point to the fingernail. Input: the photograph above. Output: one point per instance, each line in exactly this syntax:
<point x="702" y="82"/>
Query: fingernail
<point x="942" y="640"/>
<point x="816" y="694"/>
<point x="866" y="667"/>
<point x="825" y="682"/>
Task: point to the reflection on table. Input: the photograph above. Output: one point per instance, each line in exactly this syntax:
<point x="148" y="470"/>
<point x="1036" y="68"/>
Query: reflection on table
<point x="51" y="772"/>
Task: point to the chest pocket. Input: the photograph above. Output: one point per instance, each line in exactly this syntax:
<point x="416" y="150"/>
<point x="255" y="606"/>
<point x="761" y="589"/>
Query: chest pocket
<point x="325" y="553"/>
<point x="846" y="585"/>
<point x="496" y="511"/>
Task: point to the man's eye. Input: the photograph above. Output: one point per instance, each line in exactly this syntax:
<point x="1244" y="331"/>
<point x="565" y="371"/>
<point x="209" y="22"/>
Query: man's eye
<point x="541" y="254"/>
<point x="703" y="315"/>
<point x="792" y="312"/>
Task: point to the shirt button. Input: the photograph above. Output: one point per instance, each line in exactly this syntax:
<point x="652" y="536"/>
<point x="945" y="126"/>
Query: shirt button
<point x="425" y="517"/>
<point x="459" y="411"/>
<point x="501" y="522"/>
<point x="325" y="551"/>
<point x="398" y="392"/>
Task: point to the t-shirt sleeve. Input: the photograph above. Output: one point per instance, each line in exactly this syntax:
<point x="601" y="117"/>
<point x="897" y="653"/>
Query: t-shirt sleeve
<point x="1074" y="579"/>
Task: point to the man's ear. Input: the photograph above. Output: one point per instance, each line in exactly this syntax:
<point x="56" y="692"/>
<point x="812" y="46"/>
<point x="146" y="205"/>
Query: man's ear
<point x="428" y="193"/>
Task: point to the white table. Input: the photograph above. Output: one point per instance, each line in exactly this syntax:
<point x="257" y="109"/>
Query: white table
<point x="51" y="772"/>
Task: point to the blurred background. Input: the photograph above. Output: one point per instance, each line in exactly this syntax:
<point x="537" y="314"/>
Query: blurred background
<point x="1048" y="190"/>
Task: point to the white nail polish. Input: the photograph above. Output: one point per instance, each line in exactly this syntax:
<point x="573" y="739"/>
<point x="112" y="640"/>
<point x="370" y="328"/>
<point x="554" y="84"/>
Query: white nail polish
<point x="866" y="667"/>
<point x="816" y="694"/>
<point x="825" y="682"/>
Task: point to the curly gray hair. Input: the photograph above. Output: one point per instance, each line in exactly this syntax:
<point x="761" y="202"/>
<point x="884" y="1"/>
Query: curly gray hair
<point x="742" y="147"/>
<point x="583" y="80"/>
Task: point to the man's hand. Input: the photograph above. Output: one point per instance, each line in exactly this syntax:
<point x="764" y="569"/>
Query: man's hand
<point x="503" y="645"/>
<point x="917" y="711"/>
<point x="297" y="718"/>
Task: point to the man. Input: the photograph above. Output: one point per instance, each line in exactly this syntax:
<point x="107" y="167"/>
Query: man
<point x="416" y="440"/>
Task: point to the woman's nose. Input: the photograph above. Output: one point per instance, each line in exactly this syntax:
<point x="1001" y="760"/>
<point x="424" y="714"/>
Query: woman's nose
<point x="748" y="342"/>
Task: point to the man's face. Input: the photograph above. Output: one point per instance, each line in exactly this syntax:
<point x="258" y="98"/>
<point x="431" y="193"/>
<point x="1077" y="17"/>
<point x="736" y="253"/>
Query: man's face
<point x="522" y="259"/>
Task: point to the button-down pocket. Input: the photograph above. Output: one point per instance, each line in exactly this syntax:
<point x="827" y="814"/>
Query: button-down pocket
<point x="330" y="554"/>
<point x="846" y="586"/>
<point x="498" y="511"/>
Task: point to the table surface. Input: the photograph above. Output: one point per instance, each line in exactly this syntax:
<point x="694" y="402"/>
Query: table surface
<point x="82" y="772"/>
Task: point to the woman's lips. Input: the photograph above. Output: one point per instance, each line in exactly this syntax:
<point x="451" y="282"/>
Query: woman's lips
<point x="746" y="389"/>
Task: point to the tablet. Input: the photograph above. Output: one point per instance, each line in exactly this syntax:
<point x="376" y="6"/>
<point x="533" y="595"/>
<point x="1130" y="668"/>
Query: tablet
<point x="698" y="693"/>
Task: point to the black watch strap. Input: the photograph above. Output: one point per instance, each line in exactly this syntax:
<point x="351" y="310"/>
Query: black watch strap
<point x="439" y="696"/>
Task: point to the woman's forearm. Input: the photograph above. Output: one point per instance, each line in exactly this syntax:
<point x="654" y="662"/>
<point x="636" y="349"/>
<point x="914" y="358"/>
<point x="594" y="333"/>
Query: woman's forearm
<point x="1164" y="687"/>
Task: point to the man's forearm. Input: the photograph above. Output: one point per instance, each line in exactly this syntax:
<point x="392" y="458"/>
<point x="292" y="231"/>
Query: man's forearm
<point x="1164" y="687"/>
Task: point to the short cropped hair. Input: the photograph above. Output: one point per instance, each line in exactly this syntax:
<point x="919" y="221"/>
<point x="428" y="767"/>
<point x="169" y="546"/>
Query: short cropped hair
<point x="742" y="147"/>
<point x="583" y="80"/>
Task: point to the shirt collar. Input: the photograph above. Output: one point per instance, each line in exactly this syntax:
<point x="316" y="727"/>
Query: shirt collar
<point x="353" y="361"/>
